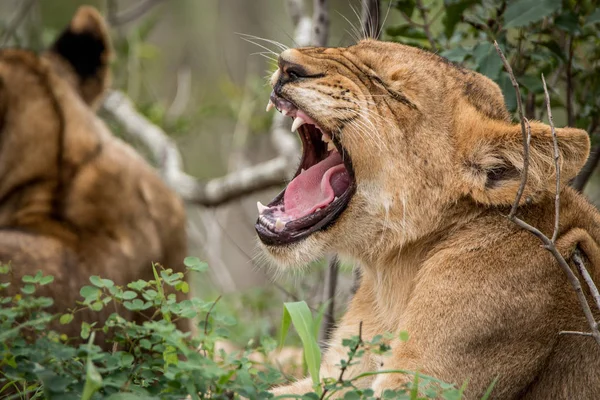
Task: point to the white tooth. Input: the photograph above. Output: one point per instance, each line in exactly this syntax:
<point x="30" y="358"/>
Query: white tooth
<point x="317" y="210"/>
<point x="335" y="198"/>
<point x="261" y="207"/>
<point x="298" y="122"/>
<point x="279" y="225"/>
<point x="270" y="106"/>
<point x="284" y="112"/>
<point x="331" y="146"/>
<point x="302" y="170"/>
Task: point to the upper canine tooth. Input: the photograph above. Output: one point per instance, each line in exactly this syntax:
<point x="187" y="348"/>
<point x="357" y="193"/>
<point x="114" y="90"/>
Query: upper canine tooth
<point x="298" y="122"/>
<point x="261" y="207"/>
<point x="284" y="111"/>
<point x="270" y="106"/>
<point x="279" y="225"/>
<point x="325" y="138"/>
<point x="331" y="146"/>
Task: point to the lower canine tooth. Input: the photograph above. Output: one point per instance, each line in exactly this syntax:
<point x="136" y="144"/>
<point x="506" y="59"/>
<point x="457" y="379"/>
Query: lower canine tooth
<point x="331" y="146"/>
<point x="284" y="112"/>
<point x="298" y="122"/>
<point x="279" y="225"/>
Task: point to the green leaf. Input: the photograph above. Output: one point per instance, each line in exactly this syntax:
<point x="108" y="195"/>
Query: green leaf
<point x="404" y="336"/>
<point x="85" y="330"/>
<point x="28" y="288"/>
<point x="90" y="293"/>
<point x="593" y="17"/>
<point x="487" y="59"/>
<point x="183" y="287"/>
<point x="406" y="6"/>
<point x="524" y="12"/>
<point x="66" y="318"/>
<point x="568" y="22"/>
<point x="96" y="281"/>
<point x="454" y="13"/>
<point x="46" y="280"/>
<point x="129" y="295"/>
<point x="406" y="31"/>
<point x="194" y="264"/>
<point x="457" y="54"/>
<point x="301" y="317"/>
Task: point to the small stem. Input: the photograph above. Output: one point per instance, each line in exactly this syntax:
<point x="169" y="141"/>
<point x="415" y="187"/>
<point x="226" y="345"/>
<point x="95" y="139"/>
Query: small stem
<point x="556" y="164"/>
<point x="426" y="25"/>
<point x="525" y="131"/>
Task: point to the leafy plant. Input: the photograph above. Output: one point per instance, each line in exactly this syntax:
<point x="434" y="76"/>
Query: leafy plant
<point x="560" y="39"/>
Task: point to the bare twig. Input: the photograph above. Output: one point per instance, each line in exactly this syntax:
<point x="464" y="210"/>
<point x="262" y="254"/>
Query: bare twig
<point x="165" y="153"/>
<point x="426" y="25"/>
<point x="17" y="20"/>
<point x="587" y="278"/>
<point x="320" y="23"/>
<point x="548" y="243"/>
<point x="133" y="13"/>
<point x="525" y="131"/>
<point x="556" y="164"/>
<point x="570" y="115"/>
<point x="208" y="314"/>
<point x="575" y="333"/>
<point x="371" y="18"/>
<point x="351" y="355"/>
<point x="329" y="294"/>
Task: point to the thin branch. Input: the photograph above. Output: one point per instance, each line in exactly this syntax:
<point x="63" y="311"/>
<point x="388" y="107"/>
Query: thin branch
<point x="556" y="164"/>
<point x="371" y="18"/>
<point x="548" y="243"/>
<point x="320" y="23"/>
<point x="570" y="115"/>
<point x="164" y="152"/>
<point x="525" y="131"/>
<point x="208" y="314"/>
<point x="426" y="25"/>
<point x="575" y="333"/>
<point x="586" y="277"/>
<point x="133" y="13"/>
<point x="14" y="24"/>
<point x="330" y="292"/>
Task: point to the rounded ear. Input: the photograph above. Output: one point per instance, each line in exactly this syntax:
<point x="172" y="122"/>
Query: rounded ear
<point x="492" y="159"/>
<point x="84" y="48"/>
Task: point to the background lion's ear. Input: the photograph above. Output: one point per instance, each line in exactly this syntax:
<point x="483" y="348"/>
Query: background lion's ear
<point x="493" y="160"/>
<point x="84" y="46"/>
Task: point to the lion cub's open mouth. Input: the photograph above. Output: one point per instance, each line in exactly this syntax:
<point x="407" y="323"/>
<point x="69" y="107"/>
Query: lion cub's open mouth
<point x="320" y="189"/>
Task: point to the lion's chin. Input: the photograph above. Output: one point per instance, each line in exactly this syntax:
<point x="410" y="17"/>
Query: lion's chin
<point x="296" y="255"/>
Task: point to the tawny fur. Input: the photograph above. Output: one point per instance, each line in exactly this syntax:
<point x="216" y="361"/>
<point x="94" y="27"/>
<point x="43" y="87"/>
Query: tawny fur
<point x="75" y="201"/>
<point x="437" y="164"/>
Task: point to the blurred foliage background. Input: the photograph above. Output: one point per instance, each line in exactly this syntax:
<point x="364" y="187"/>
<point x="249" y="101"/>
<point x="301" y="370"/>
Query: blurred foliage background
<point x="188" y="70"/>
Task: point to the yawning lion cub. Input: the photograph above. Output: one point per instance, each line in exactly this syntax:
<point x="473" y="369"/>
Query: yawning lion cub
<point x="410" y="165"/>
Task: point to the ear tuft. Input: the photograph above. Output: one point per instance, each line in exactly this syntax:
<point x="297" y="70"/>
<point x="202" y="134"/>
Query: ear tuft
<point x="85" y="46"/>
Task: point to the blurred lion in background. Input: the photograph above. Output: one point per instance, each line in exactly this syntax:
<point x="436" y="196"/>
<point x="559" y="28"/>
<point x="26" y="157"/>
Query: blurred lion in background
<point x="74" y="200"/>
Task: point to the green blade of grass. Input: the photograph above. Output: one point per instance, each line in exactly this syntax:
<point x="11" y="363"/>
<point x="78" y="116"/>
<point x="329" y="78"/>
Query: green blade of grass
<point x="93" y="379"/>
<point x="488" y="392"/>
<point x="299" y="314"/>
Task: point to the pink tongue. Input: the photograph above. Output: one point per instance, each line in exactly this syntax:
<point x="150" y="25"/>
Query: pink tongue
<point x="316" y="187"/>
